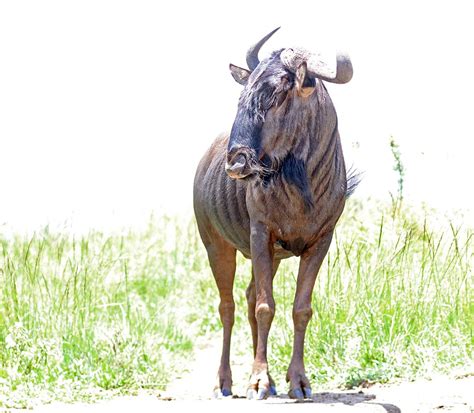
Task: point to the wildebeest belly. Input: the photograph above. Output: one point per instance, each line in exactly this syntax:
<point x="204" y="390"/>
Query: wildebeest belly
<point x="295" y="246"/>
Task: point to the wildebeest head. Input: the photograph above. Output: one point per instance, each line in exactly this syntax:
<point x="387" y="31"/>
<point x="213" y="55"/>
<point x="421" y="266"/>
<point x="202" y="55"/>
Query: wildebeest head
<point x="275" y="90"/>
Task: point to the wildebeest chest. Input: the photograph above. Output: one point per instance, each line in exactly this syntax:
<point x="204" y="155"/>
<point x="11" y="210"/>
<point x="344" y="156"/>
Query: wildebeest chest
<point x="293" y="213"/>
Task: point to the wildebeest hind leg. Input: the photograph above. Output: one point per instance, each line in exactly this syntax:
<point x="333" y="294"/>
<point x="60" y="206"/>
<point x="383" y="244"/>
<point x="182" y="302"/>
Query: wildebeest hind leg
<point x="222" y="260"/>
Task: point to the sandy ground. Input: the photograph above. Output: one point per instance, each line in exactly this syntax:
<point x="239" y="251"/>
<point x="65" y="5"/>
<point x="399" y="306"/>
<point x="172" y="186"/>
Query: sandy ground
<point x="194" y="391"/>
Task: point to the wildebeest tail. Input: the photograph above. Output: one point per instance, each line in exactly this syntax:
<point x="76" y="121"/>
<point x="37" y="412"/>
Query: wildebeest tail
<point x="353" y="178"/>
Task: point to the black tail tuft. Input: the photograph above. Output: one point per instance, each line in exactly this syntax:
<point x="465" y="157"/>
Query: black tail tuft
<point x="353" y="178"/>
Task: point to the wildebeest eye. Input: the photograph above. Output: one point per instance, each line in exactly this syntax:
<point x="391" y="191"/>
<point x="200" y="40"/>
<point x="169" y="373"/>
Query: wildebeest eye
<point x="309" y="82"/>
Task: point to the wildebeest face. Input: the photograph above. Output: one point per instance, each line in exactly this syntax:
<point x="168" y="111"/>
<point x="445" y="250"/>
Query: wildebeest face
<point x="271" y="87"/>
<point x="266" y="90"/>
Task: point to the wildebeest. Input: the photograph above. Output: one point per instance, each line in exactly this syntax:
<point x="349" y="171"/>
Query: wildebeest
<point x="273" y="188"/>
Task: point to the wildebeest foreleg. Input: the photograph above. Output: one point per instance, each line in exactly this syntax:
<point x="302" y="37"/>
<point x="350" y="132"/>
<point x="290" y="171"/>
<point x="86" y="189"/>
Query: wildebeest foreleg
<point x="252" y="302"/>
<point x="222" y="259"/>
<point x="262" y="264"/>
<point x="310" y="263"/>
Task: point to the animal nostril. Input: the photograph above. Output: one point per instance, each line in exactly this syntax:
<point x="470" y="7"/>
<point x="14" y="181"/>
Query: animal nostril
<point x="239" y="158"/>
<point x="236" y="166"/>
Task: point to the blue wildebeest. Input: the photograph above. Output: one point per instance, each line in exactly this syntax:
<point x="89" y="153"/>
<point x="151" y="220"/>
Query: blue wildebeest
<point x="273" y="188"/>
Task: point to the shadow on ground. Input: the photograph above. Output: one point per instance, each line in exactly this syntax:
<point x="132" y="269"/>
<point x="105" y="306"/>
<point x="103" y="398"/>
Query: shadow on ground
<point x="335" y="398"/>
<point x="352" y="399"/>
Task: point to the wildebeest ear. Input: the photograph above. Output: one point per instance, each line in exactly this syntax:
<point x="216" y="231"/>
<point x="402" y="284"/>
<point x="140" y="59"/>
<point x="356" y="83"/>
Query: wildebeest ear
<point x="301" y="88"/>
<point x="240" y="74"/>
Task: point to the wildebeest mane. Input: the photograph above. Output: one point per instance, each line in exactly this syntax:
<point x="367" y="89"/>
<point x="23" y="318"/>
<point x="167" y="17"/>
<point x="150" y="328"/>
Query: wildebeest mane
<point x="292" y="170"/>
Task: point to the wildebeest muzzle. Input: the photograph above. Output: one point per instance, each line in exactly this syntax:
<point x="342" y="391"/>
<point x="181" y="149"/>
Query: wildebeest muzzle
<point x="239" y="163"/>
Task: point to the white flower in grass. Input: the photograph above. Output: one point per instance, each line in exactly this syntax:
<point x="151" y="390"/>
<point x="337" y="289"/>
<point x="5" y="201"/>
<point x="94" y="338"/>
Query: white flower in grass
<point x="10" y="341"/>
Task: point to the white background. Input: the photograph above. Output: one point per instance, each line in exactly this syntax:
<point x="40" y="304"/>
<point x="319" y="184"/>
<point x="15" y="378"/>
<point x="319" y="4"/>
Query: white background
<point x="107" y="106"/>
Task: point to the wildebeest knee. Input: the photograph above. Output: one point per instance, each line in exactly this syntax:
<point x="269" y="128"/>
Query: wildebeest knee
<point x="301" y="317"/>
<point x="226" y="311"/>
<point x="264" y="312"/>
<point x="226" y="307"/>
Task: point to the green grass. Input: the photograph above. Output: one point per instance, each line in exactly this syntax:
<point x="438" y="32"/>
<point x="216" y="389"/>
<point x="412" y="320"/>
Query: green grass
<point x="83" y="317"/>
<point x="80" y="317"/>
<point x="394" y="299"/>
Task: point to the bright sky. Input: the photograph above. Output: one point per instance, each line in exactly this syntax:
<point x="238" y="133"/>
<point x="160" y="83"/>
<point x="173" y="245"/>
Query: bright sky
<point x="107" y="106"/>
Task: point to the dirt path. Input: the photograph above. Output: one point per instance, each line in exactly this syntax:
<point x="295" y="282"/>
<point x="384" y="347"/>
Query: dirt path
<point x="194" y="391"/>
<point x="440" y="395"/>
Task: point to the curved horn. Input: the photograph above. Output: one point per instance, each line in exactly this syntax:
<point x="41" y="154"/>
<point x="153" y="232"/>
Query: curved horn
<point x="292" y="59"/>
<point x="252" y="54"/>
